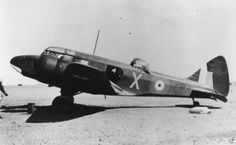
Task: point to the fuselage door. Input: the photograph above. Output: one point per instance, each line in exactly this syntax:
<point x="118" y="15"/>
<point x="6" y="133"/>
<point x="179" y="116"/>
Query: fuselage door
<point x="114" y="73"/>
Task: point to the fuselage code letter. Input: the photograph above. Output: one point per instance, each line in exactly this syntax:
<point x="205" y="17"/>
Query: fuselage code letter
<point x="135" y="82"/>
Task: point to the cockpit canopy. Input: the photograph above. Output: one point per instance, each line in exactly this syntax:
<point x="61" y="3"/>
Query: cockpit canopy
<point x="140" y="64"/>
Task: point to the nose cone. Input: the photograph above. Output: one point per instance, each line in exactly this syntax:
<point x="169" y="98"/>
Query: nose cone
<point x="25" y="64"/>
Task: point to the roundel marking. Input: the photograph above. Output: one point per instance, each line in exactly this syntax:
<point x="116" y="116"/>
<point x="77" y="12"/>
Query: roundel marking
<point x="159" y="85"/>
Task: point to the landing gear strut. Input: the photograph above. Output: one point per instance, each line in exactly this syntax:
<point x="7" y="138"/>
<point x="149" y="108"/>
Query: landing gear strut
<point x="195" y="103"/>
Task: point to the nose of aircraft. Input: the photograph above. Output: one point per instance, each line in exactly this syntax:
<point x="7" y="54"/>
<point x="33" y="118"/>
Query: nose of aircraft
<point x="25" y="64"/>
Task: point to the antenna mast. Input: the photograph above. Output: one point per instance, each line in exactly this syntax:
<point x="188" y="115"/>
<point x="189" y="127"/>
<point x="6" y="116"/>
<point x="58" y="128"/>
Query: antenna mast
<point x="96" y="42"/>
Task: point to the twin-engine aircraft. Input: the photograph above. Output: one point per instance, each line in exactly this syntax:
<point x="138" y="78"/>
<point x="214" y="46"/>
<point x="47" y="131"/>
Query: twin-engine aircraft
<point x="75" y="72"/>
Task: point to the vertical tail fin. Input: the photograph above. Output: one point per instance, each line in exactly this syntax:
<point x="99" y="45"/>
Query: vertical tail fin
<point x="218" y="67"/>
<point x="214" y="75"/>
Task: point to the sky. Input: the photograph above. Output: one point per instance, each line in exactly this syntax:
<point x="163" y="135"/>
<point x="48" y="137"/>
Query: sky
<point x="175" y="36"/>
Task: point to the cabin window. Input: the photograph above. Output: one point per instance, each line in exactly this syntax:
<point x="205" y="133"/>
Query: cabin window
<point x="140" y="65"/>
<point x="76" y="59"/>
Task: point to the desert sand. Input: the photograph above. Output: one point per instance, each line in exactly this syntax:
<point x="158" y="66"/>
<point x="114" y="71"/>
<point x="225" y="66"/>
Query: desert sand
<point x="95" y="120"/>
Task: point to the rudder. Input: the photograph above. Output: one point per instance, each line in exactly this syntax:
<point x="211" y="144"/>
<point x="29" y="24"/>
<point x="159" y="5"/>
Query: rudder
<point x="220" y="76"/>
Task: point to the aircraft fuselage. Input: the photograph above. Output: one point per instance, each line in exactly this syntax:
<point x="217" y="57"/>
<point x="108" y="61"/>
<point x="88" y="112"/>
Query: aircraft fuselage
<point x="51" y="68"/>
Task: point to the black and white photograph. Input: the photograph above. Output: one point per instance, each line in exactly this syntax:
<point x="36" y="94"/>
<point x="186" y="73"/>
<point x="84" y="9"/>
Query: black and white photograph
<point x="117" y="72"/>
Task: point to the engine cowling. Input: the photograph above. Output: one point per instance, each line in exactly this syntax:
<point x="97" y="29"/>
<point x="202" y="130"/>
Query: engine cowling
<point x="46" y="66"/>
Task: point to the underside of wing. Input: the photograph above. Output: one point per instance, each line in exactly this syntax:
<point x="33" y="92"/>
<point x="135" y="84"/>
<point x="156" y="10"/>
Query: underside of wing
<point x="88" y="79"/>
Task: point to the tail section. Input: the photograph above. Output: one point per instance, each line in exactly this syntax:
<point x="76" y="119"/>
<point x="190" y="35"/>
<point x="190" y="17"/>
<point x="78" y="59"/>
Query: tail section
<point x="220" y="77"/>
<point x="195" y="76"/>
<point x="214" y="75"/>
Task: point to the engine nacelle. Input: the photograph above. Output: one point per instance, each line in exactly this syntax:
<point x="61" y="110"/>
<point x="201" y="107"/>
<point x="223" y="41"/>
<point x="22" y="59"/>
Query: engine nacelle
<point x="46" y="66"/>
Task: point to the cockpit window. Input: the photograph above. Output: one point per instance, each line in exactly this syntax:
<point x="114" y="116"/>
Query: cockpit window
<point x="140" y="64"/>
<point x="63" y="57"/>
<point x="52" y="53"/>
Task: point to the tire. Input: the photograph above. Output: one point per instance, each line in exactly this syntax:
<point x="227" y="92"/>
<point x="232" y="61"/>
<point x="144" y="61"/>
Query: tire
<point x="196" y="104"/>
<point x="62" y="103"/>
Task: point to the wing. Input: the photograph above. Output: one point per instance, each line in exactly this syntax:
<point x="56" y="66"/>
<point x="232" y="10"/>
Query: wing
<point x="87" y="79"/>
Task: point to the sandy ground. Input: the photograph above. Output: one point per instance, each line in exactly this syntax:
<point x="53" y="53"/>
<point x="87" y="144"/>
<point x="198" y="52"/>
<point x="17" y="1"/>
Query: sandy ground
<point x="114" y="120"/>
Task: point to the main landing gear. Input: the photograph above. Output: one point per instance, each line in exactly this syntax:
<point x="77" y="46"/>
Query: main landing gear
<point x="195" y="103"/>
<point x="63" y="103"/>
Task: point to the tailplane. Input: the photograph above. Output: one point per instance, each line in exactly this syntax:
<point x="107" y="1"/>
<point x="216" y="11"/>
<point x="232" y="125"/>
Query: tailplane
<point x="214" y="75"/>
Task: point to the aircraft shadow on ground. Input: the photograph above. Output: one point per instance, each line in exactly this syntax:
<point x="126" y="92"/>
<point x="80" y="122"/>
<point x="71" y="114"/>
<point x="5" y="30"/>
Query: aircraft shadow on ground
<point x="48" y="114"/>
<point x="44" y="114"/>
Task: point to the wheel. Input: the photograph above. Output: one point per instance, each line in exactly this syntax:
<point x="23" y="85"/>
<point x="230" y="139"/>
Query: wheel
<point x="62" y="103"/>
<point x="196" y="104"/>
